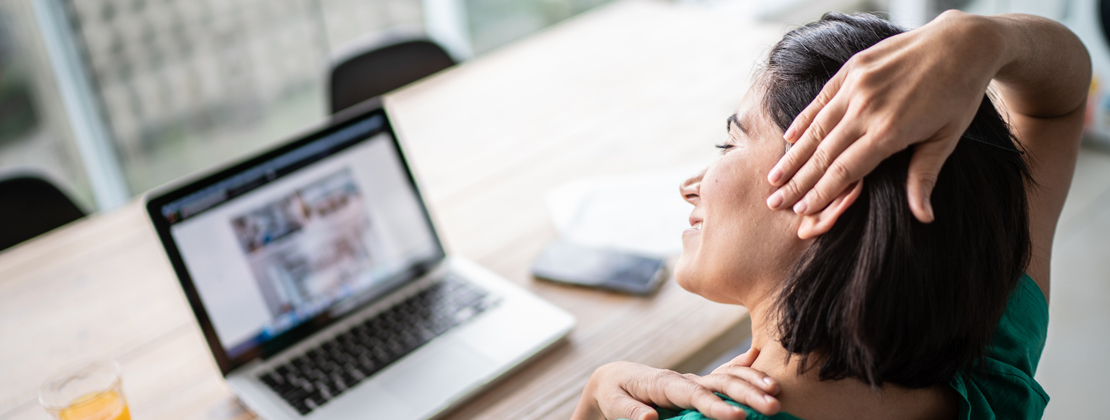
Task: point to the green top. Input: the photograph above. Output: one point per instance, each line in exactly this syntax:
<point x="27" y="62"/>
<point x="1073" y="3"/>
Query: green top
<point x="1004" y="388"/>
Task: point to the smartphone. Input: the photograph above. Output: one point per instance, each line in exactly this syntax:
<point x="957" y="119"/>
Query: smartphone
<point x="566" y="262"/>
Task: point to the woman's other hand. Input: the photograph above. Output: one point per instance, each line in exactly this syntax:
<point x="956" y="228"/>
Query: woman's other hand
<point x="625" y="390"/>
<point x="920" y="88"/>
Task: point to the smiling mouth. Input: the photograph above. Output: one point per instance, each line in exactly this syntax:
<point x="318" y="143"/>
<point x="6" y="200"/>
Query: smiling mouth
<point x="696" y="226"/>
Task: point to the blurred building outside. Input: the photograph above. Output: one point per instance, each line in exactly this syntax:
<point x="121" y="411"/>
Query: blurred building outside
<point x="181" y="85"/>
<point x="34" y="127"/>
<point x="110" y="98"/>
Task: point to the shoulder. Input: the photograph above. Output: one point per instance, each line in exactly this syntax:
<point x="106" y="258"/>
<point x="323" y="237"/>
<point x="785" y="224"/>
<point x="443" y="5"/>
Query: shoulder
<point x="1002" y="385"/>
<point x="691" y="414"/>
<point x="999" y="391"/>
<point x="1020" y="336"/>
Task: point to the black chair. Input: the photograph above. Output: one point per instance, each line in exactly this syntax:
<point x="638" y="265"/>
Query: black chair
<point x="31" y="206"/>
<point x="376" y="68"/>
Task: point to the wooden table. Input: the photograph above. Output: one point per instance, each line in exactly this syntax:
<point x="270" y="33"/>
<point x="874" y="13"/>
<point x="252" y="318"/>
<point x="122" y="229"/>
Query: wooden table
<point x="630" y="87"/>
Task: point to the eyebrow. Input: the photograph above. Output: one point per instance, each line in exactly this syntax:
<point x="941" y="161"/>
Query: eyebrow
<point x="732" y="119"/>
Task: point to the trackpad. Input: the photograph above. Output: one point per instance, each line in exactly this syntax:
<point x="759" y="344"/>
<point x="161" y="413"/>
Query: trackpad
<point x="438" y="376"/>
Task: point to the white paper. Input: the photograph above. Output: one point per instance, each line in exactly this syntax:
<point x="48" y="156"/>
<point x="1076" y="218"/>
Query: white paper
<point x="640" y="212"/>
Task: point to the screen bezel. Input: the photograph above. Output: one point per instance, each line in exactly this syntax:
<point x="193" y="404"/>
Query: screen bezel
<point x="156" y="200"/>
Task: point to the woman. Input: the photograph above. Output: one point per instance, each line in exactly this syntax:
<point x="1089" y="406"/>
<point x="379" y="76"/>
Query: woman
<point x="880" y="295"/>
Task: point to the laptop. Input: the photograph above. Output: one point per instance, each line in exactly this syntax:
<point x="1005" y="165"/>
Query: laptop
<point x="323" y="290"/>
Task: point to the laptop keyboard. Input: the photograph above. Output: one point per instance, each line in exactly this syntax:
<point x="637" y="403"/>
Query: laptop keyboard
<point x="320" y="374"/>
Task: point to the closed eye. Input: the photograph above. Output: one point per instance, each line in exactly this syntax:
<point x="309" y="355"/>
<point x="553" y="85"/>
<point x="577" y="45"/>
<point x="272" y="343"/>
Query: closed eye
<point x="724" y="147"/>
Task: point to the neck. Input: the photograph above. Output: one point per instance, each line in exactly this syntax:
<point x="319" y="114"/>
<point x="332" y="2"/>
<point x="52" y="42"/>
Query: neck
<point x="807" y="396"/>
<point x="763" y="329"/>
<point x="772" y="358"/>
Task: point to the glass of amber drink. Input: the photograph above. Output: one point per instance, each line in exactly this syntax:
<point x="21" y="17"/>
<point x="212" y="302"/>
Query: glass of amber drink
<point x="87" y="390"/>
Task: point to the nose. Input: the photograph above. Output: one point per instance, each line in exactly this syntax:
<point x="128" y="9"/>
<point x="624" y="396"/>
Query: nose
<point x="690" y="188"/>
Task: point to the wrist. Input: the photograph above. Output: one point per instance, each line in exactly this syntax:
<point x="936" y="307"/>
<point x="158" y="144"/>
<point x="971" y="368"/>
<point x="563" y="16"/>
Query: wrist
<point x="989" y="39"/>
<point x="1004" y="40"/>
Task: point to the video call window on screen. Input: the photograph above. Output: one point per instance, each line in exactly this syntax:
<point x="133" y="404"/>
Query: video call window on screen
<point x="311" y="248"/>
<point x="296" y="236"/>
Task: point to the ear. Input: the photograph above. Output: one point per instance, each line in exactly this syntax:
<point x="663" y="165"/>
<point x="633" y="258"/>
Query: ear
<point x="818" y="223"/>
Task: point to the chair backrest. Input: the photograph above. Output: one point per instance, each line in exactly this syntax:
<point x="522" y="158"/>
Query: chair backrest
<point x="382" y="67"/>
<point x="31" y="206"/>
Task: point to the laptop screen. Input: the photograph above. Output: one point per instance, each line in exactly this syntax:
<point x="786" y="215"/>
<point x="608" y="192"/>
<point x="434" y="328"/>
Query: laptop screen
<point x="296" y="239"/>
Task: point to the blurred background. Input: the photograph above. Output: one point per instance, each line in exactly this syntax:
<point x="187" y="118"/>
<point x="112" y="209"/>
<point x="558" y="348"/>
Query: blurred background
<point x="113" y="97"/>
<point x="110" y="98"/>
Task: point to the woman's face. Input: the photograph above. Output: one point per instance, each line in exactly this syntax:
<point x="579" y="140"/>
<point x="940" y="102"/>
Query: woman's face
<point x="737" y="249"/>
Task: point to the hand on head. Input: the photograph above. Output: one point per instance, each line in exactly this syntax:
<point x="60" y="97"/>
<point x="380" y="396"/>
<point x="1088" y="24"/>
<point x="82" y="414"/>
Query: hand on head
<point x="920" y="89"/>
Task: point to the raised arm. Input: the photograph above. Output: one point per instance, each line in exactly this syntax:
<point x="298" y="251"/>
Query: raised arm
<point x="921" y="89"/>
<point x="1043" y="87"/>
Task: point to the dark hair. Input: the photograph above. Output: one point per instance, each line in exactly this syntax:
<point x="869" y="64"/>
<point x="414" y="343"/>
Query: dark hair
<point x="882" y="297"/>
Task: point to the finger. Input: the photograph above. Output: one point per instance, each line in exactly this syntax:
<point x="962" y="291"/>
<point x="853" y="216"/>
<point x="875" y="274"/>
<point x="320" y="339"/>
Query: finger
<point x="747" y="358"/>
<point x="691" y="393"/>
<point x="858" y="159"/>
<point x="804" y="118"/>
<point x="800" y="153"/>
<point x="925" y="165"/>
<point x="815" y="168"/>
<point x="755" y="377"/>
<point x="742" y="391"/>
<point x="626" y="407"/>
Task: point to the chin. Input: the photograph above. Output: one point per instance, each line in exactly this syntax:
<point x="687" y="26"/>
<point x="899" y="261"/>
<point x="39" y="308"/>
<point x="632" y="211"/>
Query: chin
<point x="687" y="279"/>
<point x="680" y="280"/>
<point x="682" y="274"/>
<point x="689" y="274"/>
